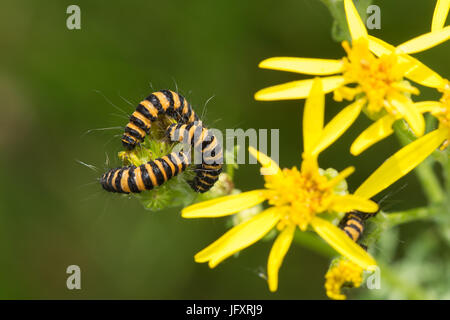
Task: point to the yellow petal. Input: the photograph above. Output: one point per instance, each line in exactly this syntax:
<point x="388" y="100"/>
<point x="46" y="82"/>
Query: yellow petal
<point x="406" y="109"/>
<point x="224" y="206"/>
<point x="405" y="86"/>
<point x="421" y="74"/>
<point x="239" y="237"/>
<point x="355" y="24"/>
<point x="402" y="162"/>
<point x="342" y="243"/>
<point x="276" y="256"/>
<point x="379" y="47"/>
<point x="313" y="116"/>
<point x="309" y="164"/>
<point x="303" y="65"/>
<point x="417" y="71"/>
<point x="297" y="89"/>
<point x="338" y="125"/>
<point x="377" y="131"/>
<point x="351" y="202"/>
<point x="269" y="166"/>
<point x="440" y="14"/>
<point x="425" y="41"/>
<point x="430" y="106"/>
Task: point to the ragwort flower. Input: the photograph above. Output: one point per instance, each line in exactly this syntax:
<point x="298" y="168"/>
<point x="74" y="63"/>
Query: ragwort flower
<point x="373" y="71"/>
<point x="298" y="198"/>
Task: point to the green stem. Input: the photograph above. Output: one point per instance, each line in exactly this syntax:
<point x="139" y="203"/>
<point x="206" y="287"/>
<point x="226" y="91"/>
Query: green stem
<point x="430" y="183"/>
<point x="424" y="171"/>
<point x="446" y="169"/>
<point x="384" y="221"/>
<point x="444" y="159"/>
<point x="396" y="218"/>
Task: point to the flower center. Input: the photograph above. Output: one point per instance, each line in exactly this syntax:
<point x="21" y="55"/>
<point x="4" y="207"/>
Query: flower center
<point x="376" y="78"/>
<point x="341" y="274"/>
<point x="301" y="195"/>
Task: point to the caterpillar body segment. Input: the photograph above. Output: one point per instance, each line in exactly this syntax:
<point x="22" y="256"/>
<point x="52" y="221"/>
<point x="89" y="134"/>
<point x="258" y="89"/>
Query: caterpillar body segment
<point x="207" y="176"/>
<point x="132" y="179"/>
<point x="163" y="102"/>
<point x="202" y="140"/>
<point x="353" y="224"/>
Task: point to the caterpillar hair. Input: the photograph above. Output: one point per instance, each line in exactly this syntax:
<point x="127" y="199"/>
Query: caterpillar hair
<point x="163" y="102"/>
<point x="132" y="179"/>
<point x="202" y="140"/>
<point x="353" y="223"/>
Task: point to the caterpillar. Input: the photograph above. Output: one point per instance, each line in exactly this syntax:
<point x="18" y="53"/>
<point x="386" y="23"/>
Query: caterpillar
<point x="353" y="223"/>
<point x="146" y="176"/>
<point x="202" y="140"/>
<point x="160" y="102"/>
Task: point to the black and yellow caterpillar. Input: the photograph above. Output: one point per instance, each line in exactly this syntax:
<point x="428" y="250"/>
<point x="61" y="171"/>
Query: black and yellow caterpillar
<point x="163" y="102"/>
<point x="146" y="176"/>
<point x="353" y="223"/>
<point x="202" y="140"/>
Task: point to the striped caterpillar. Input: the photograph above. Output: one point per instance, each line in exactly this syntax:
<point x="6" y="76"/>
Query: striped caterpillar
<point x="202" y="140"/>
<point x="189" y="130"/>
<point x="146" y="176"/>
<point x="163" y="102"/>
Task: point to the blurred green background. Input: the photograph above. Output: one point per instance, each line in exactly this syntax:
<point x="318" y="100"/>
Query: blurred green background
<point x="53" y="212"/>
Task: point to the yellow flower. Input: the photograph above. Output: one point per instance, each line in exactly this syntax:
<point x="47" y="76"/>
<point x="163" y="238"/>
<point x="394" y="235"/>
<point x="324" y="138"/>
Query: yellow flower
<point x="300" y="197"/>
<point x="342" y="273"/>
<point x="383" y="127"/>
<point x="373" y="71"/>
